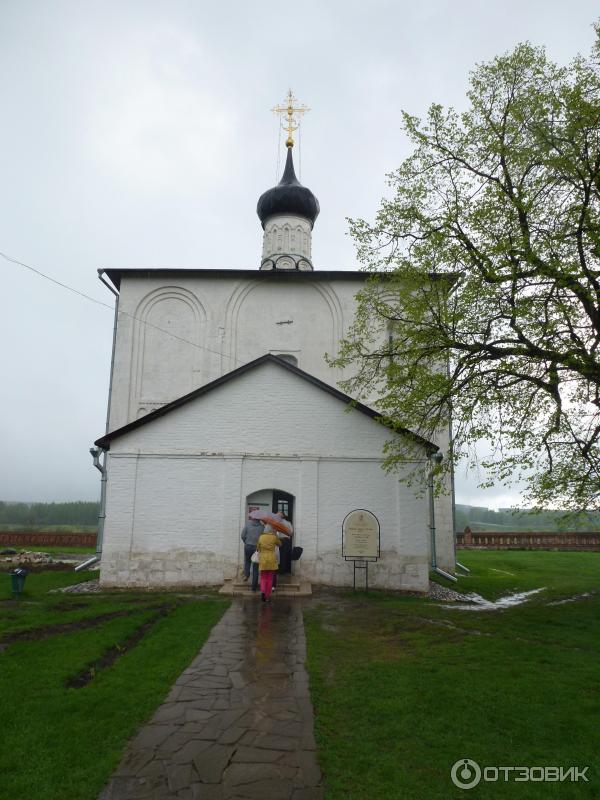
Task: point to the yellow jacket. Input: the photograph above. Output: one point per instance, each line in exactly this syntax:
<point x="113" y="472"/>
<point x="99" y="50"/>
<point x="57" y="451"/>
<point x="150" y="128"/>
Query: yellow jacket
<point x="267" y="542"/>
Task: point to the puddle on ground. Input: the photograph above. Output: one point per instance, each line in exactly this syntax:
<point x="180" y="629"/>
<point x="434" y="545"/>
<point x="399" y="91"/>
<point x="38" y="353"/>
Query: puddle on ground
<point x="571" y="599"/>
<point x="478" y="603"/>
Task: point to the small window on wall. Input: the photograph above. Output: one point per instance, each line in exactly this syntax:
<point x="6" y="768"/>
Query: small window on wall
<point x="284" y="507"/>
<point x="289" y="358"/>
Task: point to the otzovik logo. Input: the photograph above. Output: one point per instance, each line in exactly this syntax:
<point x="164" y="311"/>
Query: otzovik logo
<point x="466" y="774"/>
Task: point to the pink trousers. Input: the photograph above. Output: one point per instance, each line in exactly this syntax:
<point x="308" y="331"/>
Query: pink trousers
<point x="266" y="581"/>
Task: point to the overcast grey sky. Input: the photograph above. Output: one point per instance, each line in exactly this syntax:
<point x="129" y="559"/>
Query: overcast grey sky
<point x="138" y="134"/>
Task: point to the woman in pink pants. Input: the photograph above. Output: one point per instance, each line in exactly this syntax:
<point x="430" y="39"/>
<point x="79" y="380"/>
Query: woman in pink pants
<point x="267" y="546"/>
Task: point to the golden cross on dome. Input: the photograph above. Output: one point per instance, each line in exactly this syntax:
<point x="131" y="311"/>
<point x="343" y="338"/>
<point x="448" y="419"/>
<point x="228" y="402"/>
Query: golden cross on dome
<point x="291" y="124"/>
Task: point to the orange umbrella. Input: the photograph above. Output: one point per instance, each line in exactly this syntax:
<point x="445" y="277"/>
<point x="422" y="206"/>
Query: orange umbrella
<point x="268" y="517"/>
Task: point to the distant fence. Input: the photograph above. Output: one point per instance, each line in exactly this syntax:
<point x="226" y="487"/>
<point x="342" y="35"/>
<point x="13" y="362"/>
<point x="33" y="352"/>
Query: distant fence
<point x="527" y="540"/>
<point x="41" y="539"/>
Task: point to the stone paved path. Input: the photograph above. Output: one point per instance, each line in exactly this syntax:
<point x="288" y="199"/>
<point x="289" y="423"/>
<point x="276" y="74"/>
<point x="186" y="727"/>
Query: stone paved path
<point x="237" y="724"/>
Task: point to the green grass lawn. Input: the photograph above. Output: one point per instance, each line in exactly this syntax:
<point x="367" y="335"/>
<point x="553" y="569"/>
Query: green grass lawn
<point x="61" y="743"/>
<point x="403" y="687"/>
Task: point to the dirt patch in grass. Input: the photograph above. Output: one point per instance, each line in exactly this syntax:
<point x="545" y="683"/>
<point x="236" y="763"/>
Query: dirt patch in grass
<point x="108" y="658"/>
<point x="64" y="605"/>
<point x="445" y="623"/>
<point x="35" y="634"/>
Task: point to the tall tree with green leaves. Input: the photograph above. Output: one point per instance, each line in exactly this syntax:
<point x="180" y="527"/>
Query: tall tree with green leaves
<point x="486" y="260"/>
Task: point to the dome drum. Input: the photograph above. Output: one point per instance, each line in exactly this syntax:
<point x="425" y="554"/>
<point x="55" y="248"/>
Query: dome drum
<point x="287" y="262"/>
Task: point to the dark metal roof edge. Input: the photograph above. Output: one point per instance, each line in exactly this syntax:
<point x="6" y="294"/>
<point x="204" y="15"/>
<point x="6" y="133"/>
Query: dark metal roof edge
<point x="104" y="441"/>
<point x="115" y="273"/>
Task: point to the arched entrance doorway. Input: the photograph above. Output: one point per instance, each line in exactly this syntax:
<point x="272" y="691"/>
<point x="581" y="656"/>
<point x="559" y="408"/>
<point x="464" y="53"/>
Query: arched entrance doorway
<point x="275" y="500"/>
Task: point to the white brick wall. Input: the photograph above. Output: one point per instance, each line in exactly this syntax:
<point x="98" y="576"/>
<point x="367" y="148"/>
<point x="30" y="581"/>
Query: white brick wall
<point x="177" y="486"/>
<point x="230" y="321"/>
<point x="287" y="234"/>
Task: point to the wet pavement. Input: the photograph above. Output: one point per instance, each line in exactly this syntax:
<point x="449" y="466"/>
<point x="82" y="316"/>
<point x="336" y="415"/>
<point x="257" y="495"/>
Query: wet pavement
<point x="237" y="724"/>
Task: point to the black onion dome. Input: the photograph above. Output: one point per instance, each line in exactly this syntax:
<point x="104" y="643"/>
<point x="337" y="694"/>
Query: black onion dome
<point x="288" y="197"/>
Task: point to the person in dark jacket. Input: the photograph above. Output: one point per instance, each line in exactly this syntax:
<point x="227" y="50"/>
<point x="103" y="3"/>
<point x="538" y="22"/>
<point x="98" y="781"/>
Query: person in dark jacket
<point x="250" y="535"/>
<point x="285" y="553"/>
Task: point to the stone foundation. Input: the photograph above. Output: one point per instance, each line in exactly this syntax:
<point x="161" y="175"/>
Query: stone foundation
<point x="175" y="569"/>
<point x="391" y="571"/>
<point x="187" y="568"/>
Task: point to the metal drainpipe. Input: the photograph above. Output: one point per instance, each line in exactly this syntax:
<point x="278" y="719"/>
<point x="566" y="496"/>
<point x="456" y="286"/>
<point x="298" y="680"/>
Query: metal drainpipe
<point x="114" y="343"/>
<point x="96" y="451"/>
<point x="452" y="484"/>
<point x="437" y="457"/>
<point x="458" y="564"/>
<point x="96" y="454"/>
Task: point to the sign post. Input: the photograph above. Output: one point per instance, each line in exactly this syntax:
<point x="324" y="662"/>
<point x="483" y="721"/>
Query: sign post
<point x="361" y="540"/>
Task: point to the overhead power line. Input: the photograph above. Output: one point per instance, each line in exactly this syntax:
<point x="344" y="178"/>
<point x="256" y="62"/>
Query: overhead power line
<point x="53" y="280"/>
<point x="110" y="308"/>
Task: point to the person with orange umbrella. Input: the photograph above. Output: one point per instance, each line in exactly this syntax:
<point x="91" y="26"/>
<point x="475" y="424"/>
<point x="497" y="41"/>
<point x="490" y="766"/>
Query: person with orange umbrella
<point x="276" y="521"/>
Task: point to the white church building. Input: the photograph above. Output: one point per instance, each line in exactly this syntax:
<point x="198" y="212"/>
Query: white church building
<point x="221" y="400"/>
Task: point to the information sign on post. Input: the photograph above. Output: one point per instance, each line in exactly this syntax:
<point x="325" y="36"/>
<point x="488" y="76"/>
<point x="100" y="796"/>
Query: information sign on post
<point x="360" y="540"/>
